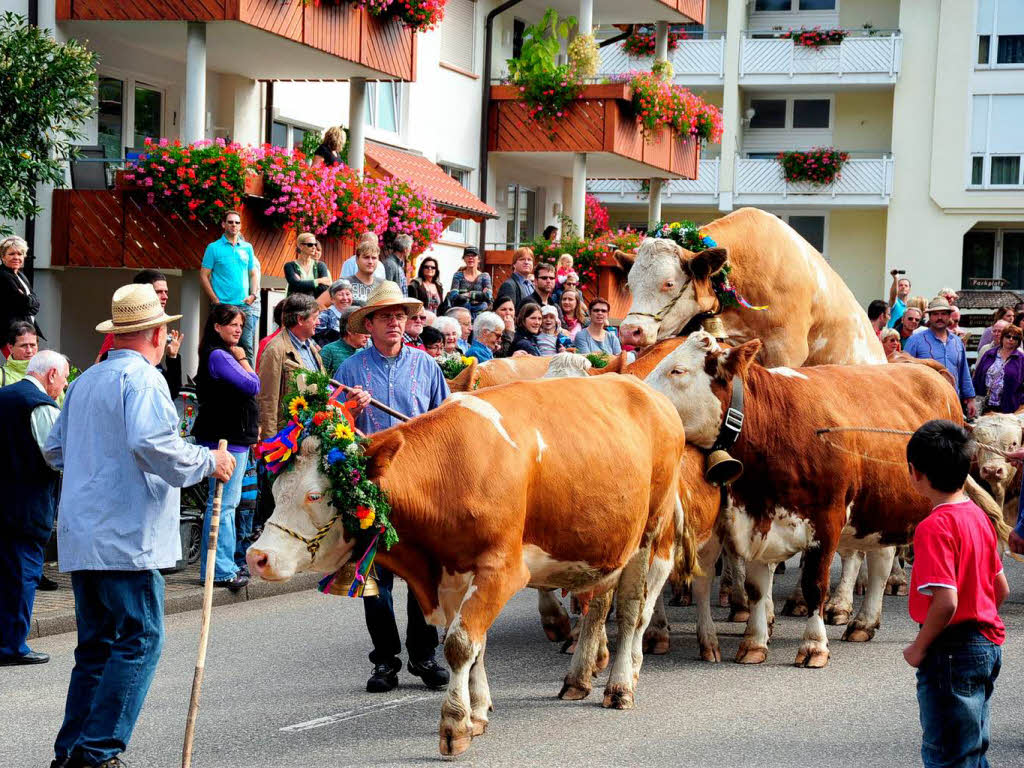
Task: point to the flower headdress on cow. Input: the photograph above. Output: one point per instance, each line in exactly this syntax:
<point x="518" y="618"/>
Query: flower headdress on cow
<point x="692" y="238"/>
<point x="363" y="508"/>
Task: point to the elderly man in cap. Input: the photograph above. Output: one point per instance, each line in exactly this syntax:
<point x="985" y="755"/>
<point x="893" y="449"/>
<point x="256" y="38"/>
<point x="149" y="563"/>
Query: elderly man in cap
<point x="409" y="381"/>
<point x="937" y="343"/>
<point x="28" y="410"/>
<point x="117" y="442"/>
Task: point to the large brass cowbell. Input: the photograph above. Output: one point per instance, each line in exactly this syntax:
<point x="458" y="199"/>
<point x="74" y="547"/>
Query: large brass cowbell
<point x="347" y="577"/>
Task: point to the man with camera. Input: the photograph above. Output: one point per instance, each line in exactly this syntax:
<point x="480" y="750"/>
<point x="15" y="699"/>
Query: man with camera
<point x="899" y="292"/>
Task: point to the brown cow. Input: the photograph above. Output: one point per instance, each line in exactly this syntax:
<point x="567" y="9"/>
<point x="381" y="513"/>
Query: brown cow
<point x="798" y="492"/>
<point x="499" y="371"/>
<point x="513" y="523"/>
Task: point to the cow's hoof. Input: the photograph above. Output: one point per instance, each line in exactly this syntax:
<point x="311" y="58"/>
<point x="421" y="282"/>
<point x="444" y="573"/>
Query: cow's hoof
<point x="710" y="653"/>
<point x="557" y="628"/>
<point x="455" y="739"/>
<point x="858" y="633"/>
<point x="574" y="690"/>
<point x="751" y="654"/>
<point x="896" y="588"/>
<point x="739" y="615"/>
<point x="479" y="726"/>
<point x="794" y="608"/>
<point x="617" y="697"/>
<point x="602" y="660"/>
<point x="812" y="656"/>
<point x="836" y="616"/>
<point x="656" y="641"/>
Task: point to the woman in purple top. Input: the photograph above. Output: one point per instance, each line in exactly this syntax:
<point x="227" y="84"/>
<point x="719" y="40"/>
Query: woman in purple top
<point x="226" y="388"/>
<point x="1000" y="373"/>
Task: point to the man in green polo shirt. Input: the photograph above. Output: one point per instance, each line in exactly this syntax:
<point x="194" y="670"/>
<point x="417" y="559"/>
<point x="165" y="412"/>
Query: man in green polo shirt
<point x="231" y="275"/>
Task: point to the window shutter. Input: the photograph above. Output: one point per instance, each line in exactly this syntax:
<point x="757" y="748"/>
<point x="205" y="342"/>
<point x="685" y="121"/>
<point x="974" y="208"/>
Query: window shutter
<point x="457" y="34"/>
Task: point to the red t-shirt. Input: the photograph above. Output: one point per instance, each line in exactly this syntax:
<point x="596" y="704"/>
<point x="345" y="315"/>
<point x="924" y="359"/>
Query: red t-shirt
<point x="955" y="547"/>
<point x="108" y="343"/>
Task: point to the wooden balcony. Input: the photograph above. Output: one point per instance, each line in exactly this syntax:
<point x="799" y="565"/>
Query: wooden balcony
<point x="119" y="229"/>
<point x="599" y="123"/>
<point x="379" y="48"/>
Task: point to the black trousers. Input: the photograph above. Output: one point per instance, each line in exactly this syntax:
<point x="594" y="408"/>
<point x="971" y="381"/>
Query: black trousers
<point x="420" y="637"/>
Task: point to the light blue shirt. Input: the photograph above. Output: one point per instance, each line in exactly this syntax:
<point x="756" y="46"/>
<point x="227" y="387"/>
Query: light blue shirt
<point x="349" y="268"/>
<point x="410" y="383"/>
<point x="117" y="442"/>
<point x="898" y="308"/>
<point x="230" y="266"/>
<point x="952" y="355"/>
<point x="480" y="352"/>
<point x="585" y="343"/>
<point x="305" y="350"/>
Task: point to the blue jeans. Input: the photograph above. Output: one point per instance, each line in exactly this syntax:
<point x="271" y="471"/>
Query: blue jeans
<point x="252" y="322"/>
<point x="224" y="567"/>
<point x="120" y="617"/>
<point x="954" y="685"/>
<point x="21" y="565"/>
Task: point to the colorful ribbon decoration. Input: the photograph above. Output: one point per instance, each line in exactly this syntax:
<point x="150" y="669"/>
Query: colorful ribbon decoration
<point x="278" y="450"/>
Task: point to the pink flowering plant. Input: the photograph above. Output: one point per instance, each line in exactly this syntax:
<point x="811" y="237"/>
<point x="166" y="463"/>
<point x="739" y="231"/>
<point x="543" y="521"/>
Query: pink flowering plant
<point x="412" y="213"/>
<point x="596" y="218"/>
<point x="641" y="43"/>
<point x="300" y="197"/>
<point x="817" y="37"/>
<point x="658" y="103"/>
<point x="361" y="205"/>
<point x="821" y="165"/>
<point x="195" y="182"/>
<point x="418" y="15"/>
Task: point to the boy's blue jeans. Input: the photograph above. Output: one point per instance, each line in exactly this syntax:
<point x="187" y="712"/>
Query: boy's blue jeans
<point x="954" y="685"/>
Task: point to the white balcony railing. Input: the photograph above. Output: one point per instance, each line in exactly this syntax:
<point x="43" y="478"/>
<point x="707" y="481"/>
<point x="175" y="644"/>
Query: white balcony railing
<point x="692" y="60"/>
<point x="874" y="55"/>
<point x="866" y="180"/>
<point x="706" y="184"/>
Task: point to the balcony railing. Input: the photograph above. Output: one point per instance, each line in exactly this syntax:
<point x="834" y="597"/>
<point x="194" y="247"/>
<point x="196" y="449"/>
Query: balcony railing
<point x="630" y="190"/>
<point x="693" y="61"/>
<point x="867" y="180"/>
<point x="877" y="54"/>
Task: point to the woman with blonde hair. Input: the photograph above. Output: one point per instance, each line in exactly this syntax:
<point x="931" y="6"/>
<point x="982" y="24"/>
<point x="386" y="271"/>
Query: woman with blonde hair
<point x="306" y="273"/>
<point x="890" y="342"/>
<point x="329" y="151"/>
<point x="17" y="299"/>
<point x="574" y="316"/>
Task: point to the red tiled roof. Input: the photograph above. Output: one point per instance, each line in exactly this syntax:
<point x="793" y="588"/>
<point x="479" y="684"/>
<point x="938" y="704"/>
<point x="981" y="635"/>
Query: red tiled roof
<point x="449" y="196"/>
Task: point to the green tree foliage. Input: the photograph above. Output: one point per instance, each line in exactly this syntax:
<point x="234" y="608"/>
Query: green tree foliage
<point x="47" y="92"/>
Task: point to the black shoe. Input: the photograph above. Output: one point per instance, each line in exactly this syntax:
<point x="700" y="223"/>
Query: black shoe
<point x="111" y="763"/>
<point x="46" y="584"/>
<point x="62" y="763"/>
<point x="433" y="675"/>
<point x="32" y="657"/>
<point x="383" y="679"/>
<point x="243" y="570"/>
<point x="234" y="584"/>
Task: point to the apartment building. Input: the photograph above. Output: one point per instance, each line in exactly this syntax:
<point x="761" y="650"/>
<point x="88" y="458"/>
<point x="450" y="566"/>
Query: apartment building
<point x="925" y="96"/>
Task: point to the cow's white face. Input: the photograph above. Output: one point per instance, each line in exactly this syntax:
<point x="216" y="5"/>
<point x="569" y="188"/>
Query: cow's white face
<point x="1001" y="431"/>
<point x="669" y="286"/>
<point x="301" y="505"/>
<point x="683" y="376"/>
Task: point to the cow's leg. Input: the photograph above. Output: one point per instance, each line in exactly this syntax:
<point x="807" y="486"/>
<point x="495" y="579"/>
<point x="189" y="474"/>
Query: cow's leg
<point x="585" y="659"/>
<point x="657" y="636"/>
<point x="840" y="605"/>
<point x="553" y="616"/>
<point x="896" y="582"/>
<point x="479" y="693"/>
<point x="862" y="578"/>
<point x="813" y="651"/>
<point x="629" y="606"/>
<point x="706" y="635"/>
<point x="754" y="646"/>
<point x="465" y="639"/>
<point x="869" y="617"/>
<point x="657" y="575"/>
<point x="739" y="607"/>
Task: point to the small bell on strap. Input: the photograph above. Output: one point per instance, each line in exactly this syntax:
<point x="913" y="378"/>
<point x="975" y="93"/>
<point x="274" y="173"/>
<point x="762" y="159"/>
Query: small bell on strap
<point x="722" y="469"/>
<point x="713" y="324"/>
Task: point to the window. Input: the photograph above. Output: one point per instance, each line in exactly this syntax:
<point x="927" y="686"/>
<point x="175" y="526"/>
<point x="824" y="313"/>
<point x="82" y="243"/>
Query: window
<point x="997" y="143"/>
<point x="994" y="253"/>
<point x="520" y="214"/>
<point x="979" y="256"/>
<point x="1005" y="170"/>
<point x="279" y="134"/>
<point x="129" y="113"/>
<point x="811" y="229"/>
<point x="457" y="229"/>
<point x="977" y="170"/>
<point x="111" y="116"/>
<point x="773" y="5"/>
<point x="811" y="113"/>
<point x="768" y="113"/>
<point x="383" y="106"/>
<point x="148" y="114"/>
<point x="457" y="40"/>
<point x="794" y="5"/>
<point x="1010" y="49"/>
<point x="518" y="31"/>
<point x="1000" y="30"/>
<point x="984" y="41"/>
<point x="817" y="5"/>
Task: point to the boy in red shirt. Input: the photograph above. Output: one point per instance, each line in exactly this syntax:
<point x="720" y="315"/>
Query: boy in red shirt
<point x="956" y="587"/>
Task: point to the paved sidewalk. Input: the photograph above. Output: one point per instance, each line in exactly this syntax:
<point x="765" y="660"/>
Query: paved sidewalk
<point x="54" y="612"/>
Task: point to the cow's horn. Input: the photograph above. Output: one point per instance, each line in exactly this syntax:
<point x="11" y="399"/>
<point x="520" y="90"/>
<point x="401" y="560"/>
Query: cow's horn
<point x="722" y="469"/>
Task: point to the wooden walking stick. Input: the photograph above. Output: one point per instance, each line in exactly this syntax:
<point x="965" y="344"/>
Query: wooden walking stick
<point x="204" y="632"/>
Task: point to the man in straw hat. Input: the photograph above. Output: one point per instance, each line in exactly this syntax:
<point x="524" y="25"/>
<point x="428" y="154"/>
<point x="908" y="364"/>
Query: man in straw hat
<point x="117" y="442"/>
<point x="409" y="381"/>
<point x="937" y="343"/>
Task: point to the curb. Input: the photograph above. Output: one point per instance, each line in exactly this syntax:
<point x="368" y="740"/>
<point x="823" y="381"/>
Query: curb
<point x="191" y="601"/>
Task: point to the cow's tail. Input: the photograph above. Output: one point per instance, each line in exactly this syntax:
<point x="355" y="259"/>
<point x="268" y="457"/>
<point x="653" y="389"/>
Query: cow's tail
<point x="981" y="497"/>
<point x="687" y="562"/>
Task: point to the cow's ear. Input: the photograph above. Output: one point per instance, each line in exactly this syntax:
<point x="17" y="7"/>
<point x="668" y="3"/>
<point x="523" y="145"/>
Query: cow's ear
<point x="383" y="453"/>
<point x="624" y="261"/>
<point x="738" y="359"/>
<point x="463" y="382"/>
<point x="704" y="264"/>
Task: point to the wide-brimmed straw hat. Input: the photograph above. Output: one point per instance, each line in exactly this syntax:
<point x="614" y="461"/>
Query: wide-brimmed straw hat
<point x="938" y="304"/>
<point x="135" y="307"/>
<point x="387" y="294"/>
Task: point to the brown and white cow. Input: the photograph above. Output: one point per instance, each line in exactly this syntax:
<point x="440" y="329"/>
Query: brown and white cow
<point x="499" y="371"/>
<point x="798" y="492"/>
<point x="514" y="522"/>
<point x="1002" y="431"/>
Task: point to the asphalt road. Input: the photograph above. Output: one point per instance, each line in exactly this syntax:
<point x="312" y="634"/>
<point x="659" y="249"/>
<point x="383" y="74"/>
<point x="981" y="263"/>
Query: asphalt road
<point x="285" y="683"/>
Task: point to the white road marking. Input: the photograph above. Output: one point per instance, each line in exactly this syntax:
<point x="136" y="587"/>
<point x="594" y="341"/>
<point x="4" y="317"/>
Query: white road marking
<point x="352" y="714"/>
